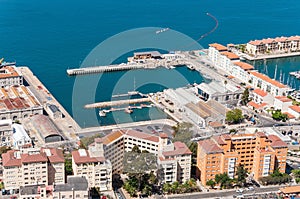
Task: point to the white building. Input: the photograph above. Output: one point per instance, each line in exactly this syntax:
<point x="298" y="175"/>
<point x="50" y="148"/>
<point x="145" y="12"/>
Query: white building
<point x="282" y="103"/>
<point x="240" y="70"/>
<point x="260" y="96"/>
<point x="258" y="80"/>
<point x="120" y="141"/>
<point x="274" y="45"/>
<point x="5" y="132"/>
<point x="214" y="53"/>
<point x="220" y="92"/>
<point x="10" y="76"/>
<point x="19" y="136"/>
<point x="226" y="61"/>
<point x="92" y="165"/>
<point x="31" y="167"/>
<point x="295" y="111"/>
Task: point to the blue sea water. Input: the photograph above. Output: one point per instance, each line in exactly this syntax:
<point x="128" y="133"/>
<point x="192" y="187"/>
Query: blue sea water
<point x="52" y="36"/>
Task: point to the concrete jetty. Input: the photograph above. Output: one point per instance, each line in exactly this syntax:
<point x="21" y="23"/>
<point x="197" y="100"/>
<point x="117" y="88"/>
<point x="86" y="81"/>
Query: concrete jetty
<point x="116" y="103"/>
<point x="149" y="64"/>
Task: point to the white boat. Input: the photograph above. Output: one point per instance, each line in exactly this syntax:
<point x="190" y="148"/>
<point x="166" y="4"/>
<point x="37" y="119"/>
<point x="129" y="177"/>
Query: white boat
<point x="162" y="30"/>
<point x="128" y="110"/>
<point x="102" y="113"/>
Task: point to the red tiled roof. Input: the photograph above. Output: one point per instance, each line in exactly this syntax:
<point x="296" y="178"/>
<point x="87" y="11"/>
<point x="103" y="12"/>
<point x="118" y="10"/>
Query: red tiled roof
<point x="219" y="140"/>
<point x="210" y="146"/>
<point x="295" y="108"/>
<point x="267" y="79"/>
<point x="142" y="135"/>
<point x="26" y="158"/>
<point x="261" y="134"/>
<point x="260" y="92"/>
<point x="226" y="137"/>
<point x="9" y="72"/>
<point x="283" y="98"/>
<point x="163" y="135"/>
<point x="230" y="55"/>
<point x="56" y="155"/>
<point x="290" y="116"/>
<point x="180" y="149"/>
<point x="9" y="160"/>
<point x="276" y="142"/>
<point x="244" y="66"/>
<point x="111" y="137"/>
<point x="85" y="159"/>
<point x="217" y="46"/>
<point x="257" y="106"/>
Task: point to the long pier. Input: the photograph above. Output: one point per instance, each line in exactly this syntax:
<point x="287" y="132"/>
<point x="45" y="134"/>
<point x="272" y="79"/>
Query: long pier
<point x="150" y="64"/>
<point x="116" y="103"/>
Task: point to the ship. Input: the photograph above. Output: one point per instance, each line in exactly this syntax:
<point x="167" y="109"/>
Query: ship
<point x="162" y="30"/>
<point x="3" y="63"/>
<point x="102" y="113"/>
<point x="296" y="74"/>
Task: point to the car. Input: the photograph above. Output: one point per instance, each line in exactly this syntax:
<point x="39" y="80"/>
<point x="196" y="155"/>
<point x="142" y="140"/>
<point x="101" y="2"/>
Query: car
<point x="240" y="190"/>
<point x="251" y="188"/>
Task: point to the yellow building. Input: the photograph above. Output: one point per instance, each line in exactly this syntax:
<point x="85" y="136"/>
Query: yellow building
<point x="258" y="153"/>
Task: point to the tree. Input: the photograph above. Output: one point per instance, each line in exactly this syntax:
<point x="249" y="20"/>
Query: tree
<point x="277" y="115"/>
<point x="183" y="133"/>
<point x="211" y="183"/>
<point x="135" y="149"/>
<point x="4" y="149"/>
<point x="167" y="187"/>
<point x="234" y="116"/>
<point x="241" y="173"/>
<point x="245" y="97"/>
<point x="224" y="180"/>
<point x="86" y="141"/>
<point x="68" y="167"/>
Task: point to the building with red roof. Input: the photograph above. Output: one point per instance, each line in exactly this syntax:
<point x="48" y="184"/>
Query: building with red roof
<point x="282" y="103"/>
<point x="31" y="166"/>
<point x="224" y="153"/>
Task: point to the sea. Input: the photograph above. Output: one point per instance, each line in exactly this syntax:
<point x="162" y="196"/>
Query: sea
<point x="52" y="36"/>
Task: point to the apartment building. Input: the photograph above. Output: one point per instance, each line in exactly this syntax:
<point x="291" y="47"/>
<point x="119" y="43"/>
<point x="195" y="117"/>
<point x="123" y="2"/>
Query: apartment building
<point x="259" y="153"/>
<point x="214" y="53"/>
<point x="240" y="70"/>
<point x="274" y="45"/>
<point x="92" y="165"/>
<point x="32" y="167"/>
<point x="174" y="160"/>
<point x="10" y="76"/>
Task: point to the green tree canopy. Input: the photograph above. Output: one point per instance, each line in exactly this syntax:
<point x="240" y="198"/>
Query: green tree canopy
<point x="245" y="97"/>
<point x="234" y="116"/>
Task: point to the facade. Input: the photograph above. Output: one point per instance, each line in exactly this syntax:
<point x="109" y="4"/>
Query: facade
<point x="214" y="53"/>
<point x="31" y="167"/>
<point x="75" y="188"/>
<point x="260" y="96"/>
<point x="5" y="132"/>
<point x="10" y="76"/>
<point x="265" y="83"/>
<point x="240" y="70"/>
<point x="295" y="111"/>
<point x="227" y="59"/>
<point x="258" y="153"/>
<point x="275" y="45"/>
<point x="17" y="102"/>
<point x="92" y="165"/>
<point x="34" y="192"/>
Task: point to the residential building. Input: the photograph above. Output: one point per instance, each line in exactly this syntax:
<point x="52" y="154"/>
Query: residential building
<point x="5" y="132"/>
<point x="214" y="53"/>
<point x="32" y="167"/>
<point x="258" y="153"/>
<point x="260" y="96"/>
<point x="118" y="142"/>
<point x="276" y="45"/>
<point x="75" y="188"/>
<point x="34" y="192"/>
<point x="240" y="70"/>
<point x="265" y="83"/>
<point x="295" y="111"/>
<point x="10" y="76"/>
<point x="282" y="103"/>
<point x="92" y="165"/>
<point x="227" y="59"/>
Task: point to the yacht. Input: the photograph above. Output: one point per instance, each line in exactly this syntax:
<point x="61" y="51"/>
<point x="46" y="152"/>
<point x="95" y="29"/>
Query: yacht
<point x="128" y="110"/>
<point x="102" y="113"/>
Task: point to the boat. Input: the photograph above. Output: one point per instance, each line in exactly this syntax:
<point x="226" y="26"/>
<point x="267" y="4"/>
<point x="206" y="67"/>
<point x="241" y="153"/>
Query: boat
<point x="162" y="30"/>
<point x="3" y="63"/>
<point x="102" y="113"/>
<point x="296" y="74"/>
<point x="128" y="110"/>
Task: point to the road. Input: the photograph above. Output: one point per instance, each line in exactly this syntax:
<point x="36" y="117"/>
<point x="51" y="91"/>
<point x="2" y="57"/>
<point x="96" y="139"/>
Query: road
<point x="225" y="193"/>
